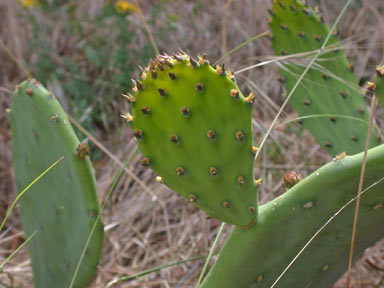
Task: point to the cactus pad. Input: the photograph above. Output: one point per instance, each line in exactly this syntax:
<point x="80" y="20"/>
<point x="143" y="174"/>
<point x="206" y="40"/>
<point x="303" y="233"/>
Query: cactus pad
<point x="193" y="127"/>
<point x="63" y="206"/>
<point x="288" y="222"/>
<point x="329" y="88"/>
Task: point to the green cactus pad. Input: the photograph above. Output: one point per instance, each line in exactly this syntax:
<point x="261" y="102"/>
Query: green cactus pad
<point x="193" y="127"/>
<point x="379" y="84"/>
<point x="62" y="207"/>
<point x="330" y="86"/>
<point x="287" y="223"/>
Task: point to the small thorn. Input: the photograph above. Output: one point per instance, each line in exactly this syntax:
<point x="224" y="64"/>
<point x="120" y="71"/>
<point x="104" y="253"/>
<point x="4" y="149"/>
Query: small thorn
<point x="240" y="180"/>
<point x="185" y="111"/>
<point x="260" y="277"/>
<point x="181" y="51"/>
<point x="291" y="178"/>
<point x="306" y="11"/>
<point x="219" y="70"/>
<point x="146" y="111"/>
<point x="293" y="8"/>
<point x="82" y="151"/>
<point x="328" y="144"/>
<point x="226" y="204"/>
<point x="144" y="162"/>
<point x="251" y="209"/>
<point x="199" y="87"/>
<point x="192" y="198"/>
<point x="354" y="138"/>
<point x="180" y="171"/>
<point x="211" y="135"/>
<point x="128" y="117"/>
<point x="284" y="27"/>
<point x="380" y="71"/>
<point x="160" y="180"/>
<point x="234" y="93"/>
<point x="351" y="67"/>
<point x="371" y="86"/>
<point x="301" y="34"/>
<point x="343" y="94"/>
<point x="29" y="91"/>
<point x="254" y="150"/>
<point x="325" y="76"/>
<point x="333" y="119"/>
<point x="307" y="102"/>
<point x="308" y="205"/>
<point x="325" y="268"/>
<point x="282" y="5"/>
<point x="282" y="79"/>
<point x="174" y="138"/>
<point x="335" y="32"/>
<point x="179" y="58"/>
<point x="138" y="134"/>
<point x="251" y="98"/>
<point x="284" y="52"/>
<point x="139" y="85"/>
<point x="318" y="38"/>
<point x="129" y="97"/>
<point x="340" y="156"/>
<point x="193" y="62"/>
<point x="271" y="12"/>
<point x="172" y="75"/>
<point x="208" y="217"/>
<point x="258" y="181"/>
<point x="162" y="92"/>
<point x="360" y="110"/>
<point x="213" y="171"/>
<point x="240" y="136"/>
<point x="153" y="74"/>
<point x="169" y="63"/>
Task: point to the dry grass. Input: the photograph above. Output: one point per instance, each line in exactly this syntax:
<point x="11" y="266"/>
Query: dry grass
<point x="144" y="231"/>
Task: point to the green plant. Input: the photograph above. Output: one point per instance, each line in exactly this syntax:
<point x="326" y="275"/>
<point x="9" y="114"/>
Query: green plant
<point x="183" y="111"/>
<point x="182" y="108"/>
<point x="328" y="98"/>
<point x="61" y="208"/>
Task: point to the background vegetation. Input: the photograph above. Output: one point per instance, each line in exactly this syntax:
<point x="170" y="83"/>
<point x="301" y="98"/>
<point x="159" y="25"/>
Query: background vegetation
<point x="87" y="51"/>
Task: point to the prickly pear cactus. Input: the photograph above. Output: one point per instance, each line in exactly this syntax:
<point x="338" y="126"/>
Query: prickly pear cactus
<point x="62" y="207"/>
<point x="287" y="223"/>
<point x="193" y="127"/>
<point x="329" y="87"/>
<point x="378" y="85"/>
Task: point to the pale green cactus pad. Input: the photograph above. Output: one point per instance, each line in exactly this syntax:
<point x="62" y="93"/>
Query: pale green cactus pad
<point x="329" y="88"/>
<point x="62" y="207"/>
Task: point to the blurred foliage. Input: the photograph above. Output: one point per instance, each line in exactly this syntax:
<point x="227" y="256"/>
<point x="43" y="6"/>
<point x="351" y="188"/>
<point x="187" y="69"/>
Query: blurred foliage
<point x="92" y="54"/>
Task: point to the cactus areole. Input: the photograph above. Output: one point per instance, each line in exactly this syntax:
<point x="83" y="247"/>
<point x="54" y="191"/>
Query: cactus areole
<point x="193" y="127"/>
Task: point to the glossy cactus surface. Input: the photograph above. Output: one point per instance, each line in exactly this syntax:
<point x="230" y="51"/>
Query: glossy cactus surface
<point x="193" y="127"/>
<point x="62" y="207"/>
<point x="329" y="88"/>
